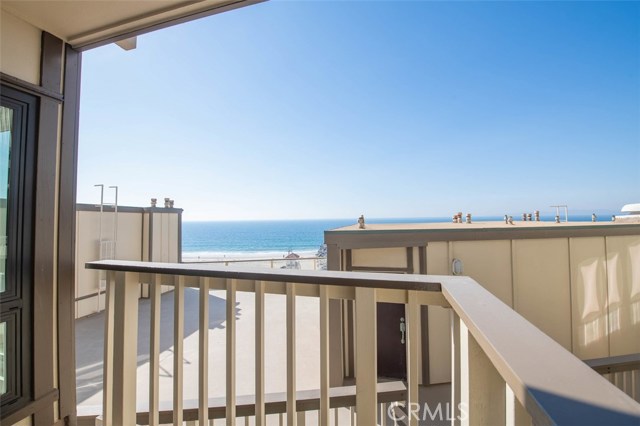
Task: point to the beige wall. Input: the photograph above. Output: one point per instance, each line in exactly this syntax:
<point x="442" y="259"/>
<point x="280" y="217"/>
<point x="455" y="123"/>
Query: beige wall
<point x="165" y="237"/>
<point x="623" y="282"/>
<point x="132" y="244"/>
<point x="387" y="257"/>
<point x="589" y="297"/>
<point x="584" y="292"/>
<point x="19" y="48"/>
<point x="541" y="286"/>
<point x="489" y="263"/>
<point x="128" y="247"/>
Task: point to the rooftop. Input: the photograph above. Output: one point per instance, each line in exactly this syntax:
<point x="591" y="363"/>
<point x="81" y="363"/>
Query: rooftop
<point x="495" y="225"/>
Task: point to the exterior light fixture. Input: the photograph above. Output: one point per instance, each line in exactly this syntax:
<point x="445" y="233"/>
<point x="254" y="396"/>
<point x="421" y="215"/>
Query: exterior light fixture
<point x="456" y="267"/>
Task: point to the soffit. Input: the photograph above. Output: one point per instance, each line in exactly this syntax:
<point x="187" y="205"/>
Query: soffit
<point x="91" y="23"/>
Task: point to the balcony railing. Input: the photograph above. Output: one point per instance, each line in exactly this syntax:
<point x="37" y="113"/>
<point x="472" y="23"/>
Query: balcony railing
<point x="504" y="369"/>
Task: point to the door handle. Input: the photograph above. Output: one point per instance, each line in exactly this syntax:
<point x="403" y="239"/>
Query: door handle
<point x="403" y="329"/>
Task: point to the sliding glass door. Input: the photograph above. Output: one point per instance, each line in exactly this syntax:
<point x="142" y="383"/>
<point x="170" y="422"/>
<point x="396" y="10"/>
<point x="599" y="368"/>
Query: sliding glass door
<point x="17" y="171"/>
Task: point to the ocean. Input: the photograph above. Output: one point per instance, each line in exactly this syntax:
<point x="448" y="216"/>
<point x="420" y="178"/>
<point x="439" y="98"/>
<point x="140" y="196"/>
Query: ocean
<point x="274" y="239"/>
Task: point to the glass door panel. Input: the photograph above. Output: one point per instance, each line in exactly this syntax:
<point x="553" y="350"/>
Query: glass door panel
<point x="6" y="120"/>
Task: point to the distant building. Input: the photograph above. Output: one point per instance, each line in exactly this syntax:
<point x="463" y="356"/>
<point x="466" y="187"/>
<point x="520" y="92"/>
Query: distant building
<point x="133" y="233"/>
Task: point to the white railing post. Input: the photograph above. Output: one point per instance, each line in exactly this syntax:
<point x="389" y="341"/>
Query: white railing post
<point x="124" y="305"/>
<point x="291" y="354"/>
<point x="456" y="388"/>
<point x="413" y="356"/>
<point x="486" y="388"/>
<point x="324" y="356"/>
<point x="203" y="356"/>
<point x="155" y="291"/>
<point x="515" y="413"/>
<point x="107" y="381"/>
<point x="366" y="356"/>
<point x="178" y="349"/>
<point x="231" y="352"/>
<point x="259" y="348"/>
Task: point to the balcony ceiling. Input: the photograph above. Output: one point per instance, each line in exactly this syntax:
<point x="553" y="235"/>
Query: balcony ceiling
<point x="89" y="23"/>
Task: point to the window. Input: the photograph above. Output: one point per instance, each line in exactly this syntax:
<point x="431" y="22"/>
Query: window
<point x="17" y="169"/>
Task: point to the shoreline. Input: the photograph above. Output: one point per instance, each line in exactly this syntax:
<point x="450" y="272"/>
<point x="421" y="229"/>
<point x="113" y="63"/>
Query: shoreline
<point x="215" y="256"/>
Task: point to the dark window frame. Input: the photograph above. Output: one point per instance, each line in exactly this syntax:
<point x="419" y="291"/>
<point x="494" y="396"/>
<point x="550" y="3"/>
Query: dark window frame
<point x="16" y="303"/>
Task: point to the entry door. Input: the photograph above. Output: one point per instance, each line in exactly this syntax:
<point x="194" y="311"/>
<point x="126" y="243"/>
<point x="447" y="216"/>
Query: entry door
<point x="392" y="352"/>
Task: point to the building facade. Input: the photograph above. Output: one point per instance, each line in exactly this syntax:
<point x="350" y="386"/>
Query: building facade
<point x="577" y="282"/>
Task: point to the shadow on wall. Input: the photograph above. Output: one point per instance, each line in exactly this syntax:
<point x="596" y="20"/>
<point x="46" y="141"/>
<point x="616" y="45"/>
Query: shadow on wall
<point x="90" y="335"/>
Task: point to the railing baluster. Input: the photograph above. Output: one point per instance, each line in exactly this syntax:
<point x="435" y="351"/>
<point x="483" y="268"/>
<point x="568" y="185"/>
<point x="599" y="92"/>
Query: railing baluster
<point x="203" y="355"/>
<point x="456" y="370"/>
<point x="324" y="356"/>
<point x="463" y="353"/>
<point x="413" y="353"/>
<point x="154" y="349"/>
<point x="259" y="348"/>
<point x="291" y="354"/>
<point x="516" y="415"/>
<point x="125" y="347"/>
<point x="178" y="349"/>
<point x="231" y="352"/>
<point x="366" y="356"/>
<point x="486" y="388"/>
<point x="107" y="381"/>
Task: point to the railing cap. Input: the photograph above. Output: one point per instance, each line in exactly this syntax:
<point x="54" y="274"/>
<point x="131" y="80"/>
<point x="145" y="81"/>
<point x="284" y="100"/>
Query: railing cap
<point x="339" y="278"/>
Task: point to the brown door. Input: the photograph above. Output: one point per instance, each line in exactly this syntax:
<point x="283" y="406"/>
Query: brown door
<point x="392" y="354"/>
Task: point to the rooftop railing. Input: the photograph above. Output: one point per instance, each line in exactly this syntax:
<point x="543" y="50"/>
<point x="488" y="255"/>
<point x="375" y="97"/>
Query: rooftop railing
<point x="505" y="371"/>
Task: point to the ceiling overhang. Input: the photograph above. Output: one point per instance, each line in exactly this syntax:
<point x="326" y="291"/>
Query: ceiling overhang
<point x="86" y="24"/>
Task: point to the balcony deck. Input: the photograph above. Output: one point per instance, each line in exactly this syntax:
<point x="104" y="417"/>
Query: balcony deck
<point x="505" y="370"/>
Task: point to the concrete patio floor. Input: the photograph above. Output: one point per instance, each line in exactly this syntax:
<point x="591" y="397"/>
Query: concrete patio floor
<point x="90" y="346"/>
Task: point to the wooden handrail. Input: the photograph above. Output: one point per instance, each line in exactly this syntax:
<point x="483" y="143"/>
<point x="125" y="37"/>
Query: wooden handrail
<point x="338" y="278"/>
<point x="550" y="382"/>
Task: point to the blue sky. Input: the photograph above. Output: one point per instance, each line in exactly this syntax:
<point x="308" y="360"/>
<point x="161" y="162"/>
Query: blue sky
<point x="308" y="109"/>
